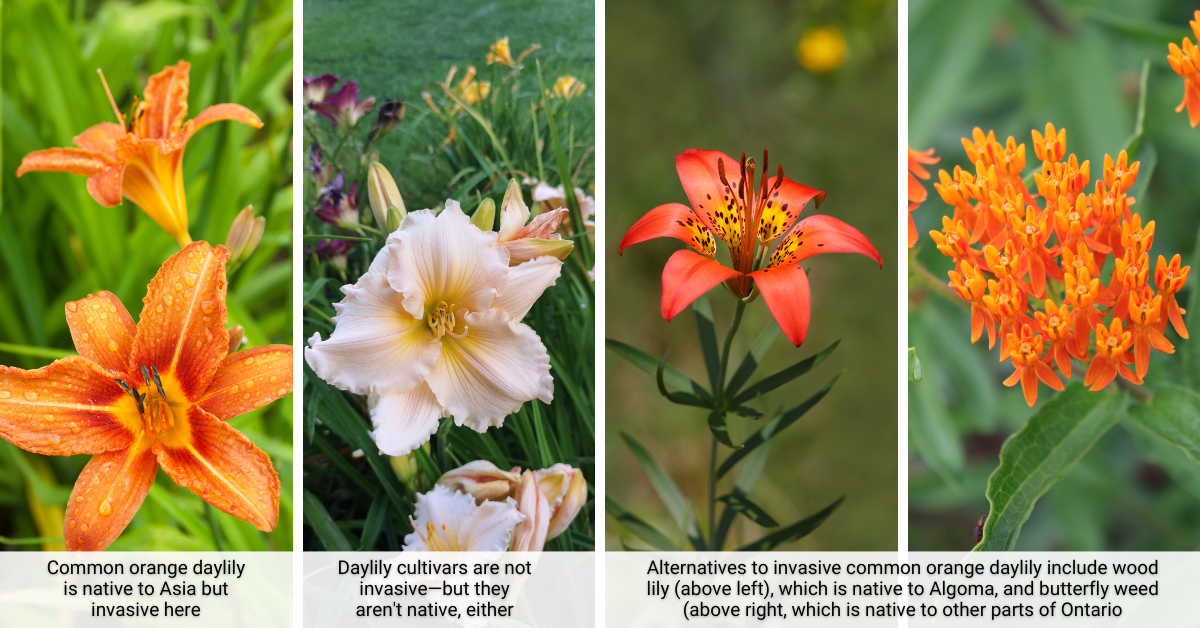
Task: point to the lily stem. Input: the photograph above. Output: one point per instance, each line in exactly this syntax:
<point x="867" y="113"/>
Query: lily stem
<point x="720" y="393"/>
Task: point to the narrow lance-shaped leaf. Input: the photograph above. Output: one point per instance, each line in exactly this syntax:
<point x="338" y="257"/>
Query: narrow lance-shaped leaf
<point x="753" y="358"/>
<point x="934" y="435"/>
<point x="1054" y="439"/>
<point x="680" y="398"/>
<point x="747" y="477"/>
<point x="324" y="526"/>
<point x="788" y="374"/>
<point x="738" y="501"/>
<point x="639" y="528"/>
<point x="667" y="491"/>
<point x="794" y="532"/>
<point x="720" y="431"/>
<point x="706" y="329"/>
<point x="648" y="363"/>
<point x="1174" y="417"/>
<point x="775" y="426"/>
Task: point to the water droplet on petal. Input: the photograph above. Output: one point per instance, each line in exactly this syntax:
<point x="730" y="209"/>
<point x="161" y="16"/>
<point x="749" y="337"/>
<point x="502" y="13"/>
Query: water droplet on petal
<point x="112" y="344"/>
<point x="189" y="278"/>
<point x="49" y="418"/>
<point x="274" y="379"/>
<point x="78" y="500"/>
<point x="249" y="361"/>
<point x="178" y="286"/>
<point x="95" y="306"/>
<point x="4" y="394"/>
<point x="159" y="309"/>
<point x="103" y="316"/>
<point x="31" y="395"/>
<point x="91" y="319"/>
<point x="250" y="384"/>
<point x="105" y="508"/>
<point x="234" y="389"/>
<point x="75" y="428"/>
<point x="168" y="299"/>
<point x="83" y="527"/>
<point x="85" y="336"/>
<point x="208" y="306"/>
<point x="71" y="306"/>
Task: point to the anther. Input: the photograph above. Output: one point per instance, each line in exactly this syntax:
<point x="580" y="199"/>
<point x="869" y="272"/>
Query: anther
<point x="158" y="381"/>
<point x="721" y="171"/>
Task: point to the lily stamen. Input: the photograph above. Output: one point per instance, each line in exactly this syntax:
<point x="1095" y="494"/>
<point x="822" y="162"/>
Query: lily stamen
<point x="111" y="101"/>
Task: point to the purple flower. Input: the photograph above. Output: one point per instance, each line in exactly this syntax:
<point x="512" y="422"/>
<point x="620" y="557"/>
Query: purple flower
<point x="320" y="173"/>
<point x="315" y="88"/>
<point x="343" y="108"/>
<point x="338" y="209"/>
<point x="332" y="251"/>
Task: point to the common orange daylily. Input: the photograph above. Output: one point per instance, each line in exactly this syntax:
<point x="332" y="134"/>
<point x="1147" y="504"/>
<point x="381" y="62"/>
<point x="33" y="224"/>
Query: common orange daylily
<point x="154" y="394"/>
<point x="142" y="161"/>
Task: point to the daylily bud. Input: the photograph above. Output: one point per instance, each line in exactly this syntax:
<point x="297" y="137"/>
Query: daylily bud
<point x="384" y="195"/>
<point x="406" y="467"/>
<point x="525" y="249"/>
<point x="530" y="534"/>
<point x="236" y="335"/>
<point x="390" y="114"/>
<point x="565" y="491"/>
<point x="485" y="215"/>
<point x="393" y="219"/>
<point x="244" y="234"/>
<point x="482" y="480"/>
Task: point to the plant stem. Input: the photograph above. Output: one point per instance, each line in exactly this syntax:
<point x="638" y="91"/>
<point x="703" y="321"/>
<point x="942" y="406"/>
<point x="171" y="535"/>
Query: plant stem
<point x="720" y="394"/>
<point x="737" y="321"/>
<point x="712" y="495"/>
<point x="938" y="287"/>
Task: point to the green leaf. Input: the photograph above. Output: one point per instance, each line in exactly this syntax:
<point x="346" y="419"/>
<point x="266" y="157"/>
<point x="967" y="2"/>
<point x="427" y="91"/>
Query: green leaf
<point x="796" y="531"/>
<point x="377" y="517"/>
<point x="1043" y="452"/>
<point x="753" y="358"/>
<point x="648" y="363"/>
<point x="720" y="431"/>
<point x="708" y="340"/>
<point x="324" y="526"/>
<point x="775" y="426"/>
<point x="772" y="382"/>
<point x="639" y="528"/>
<point x="1174" y="417"/>
<point x="738" y="502"/>
<point x="683" y="399"/>
<point x="667" y="491"/>
<point x="1139" y="120"/>
<point x="933" y="434"/>
<point x="916" y="372"/>
<point x="747" y="477"/>
<point x="1184" y="471"/>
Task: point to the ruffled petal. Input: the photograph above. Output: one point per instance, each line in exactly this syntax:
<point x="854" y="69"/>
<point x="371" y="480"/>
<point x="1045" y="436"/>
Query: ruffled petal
<point x="527" y="282"/>
<point x="513" y="212"/>
<point x="822" y="234"/>
<point x="672" y="220"/>
<point x="490" y="527"/>
<point x="404" y="421"/>
<point x="69" y="407"/>
<point x="103" y="138"/>
<point x="73" y="160"/>
<point x="102" y="330"/>
<point x="182" y="327"/>
<point x="107" y="495"/>
<point x="377" y="346"/>
<point x="543" y="225"/>
<point x="487" y="375"/>
<point x="105" y="186"/>
<point x="249" y="379"/>
<point x="162" y="112"/>
<point x="222" y="466"/>
<point x="785" y="289"/>
<point x="443" y="511"/>
<point x="686" y="276"/>
<point x="444" y="258"/>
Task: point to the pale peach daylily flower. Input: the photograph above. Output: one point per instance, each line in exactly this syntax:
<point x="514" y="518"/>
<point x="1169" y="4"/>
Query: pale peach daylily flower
<point x="447" y="521"/>
<point x="433" y="330"/>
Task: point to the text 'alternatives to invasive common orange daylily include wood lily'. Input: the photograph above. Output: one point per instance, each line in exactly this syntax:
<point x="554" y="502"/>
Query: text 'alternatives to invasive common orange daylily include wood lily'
<point x="142" y="160"/>
<point x="153" y="394"/>
<point x="1052" y="250"/>
<point x="749" y="217"/>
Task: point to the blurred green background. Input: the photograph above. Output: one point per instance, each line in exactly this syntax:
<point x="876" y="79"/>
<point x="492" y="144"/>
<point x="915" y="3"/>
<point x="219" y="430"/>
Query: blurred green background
<point x="723" y="76"/>
<point x="58" y="244"/>
<point x="1014" y="67"/>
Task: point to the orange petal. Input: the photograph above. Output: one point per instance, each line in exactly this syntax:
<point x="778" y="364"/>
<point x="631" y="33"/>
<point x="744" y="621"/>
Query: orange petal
<point x="222" y="466"/>
<point x="226" y="111"/>
<point x="785" y="289"/>
<point x="182" y="327"/>
<point x="102" y="138"/>
<point x="107" y="495"/>
<point x="105" y="186"/>
<point x="72" y="160"/>
<point x="153" y="180"/>
<point x="69" y="407"/>
<point x="686" y="276"/>
<point x="162" y="112"/>
<point x="1029" y="385"/>
<point x="102" y="330"/>
<point x="249" y="379"/>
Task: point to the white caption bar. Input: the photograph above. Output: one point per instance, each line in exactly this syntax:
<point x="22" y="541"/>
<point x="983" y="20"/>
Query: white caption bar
<point x="472" y="589"/>
<point x="117" y="589"/>
<point x="660" y="590"/>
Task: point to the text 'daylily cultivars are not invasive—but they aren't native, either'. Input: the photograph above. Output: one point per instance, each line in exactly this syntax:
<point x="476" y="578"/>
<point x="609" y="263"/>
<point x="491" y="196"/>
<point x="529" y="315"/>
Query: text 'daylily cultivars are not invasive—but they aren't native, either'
<point x="748" y="217"/>
<point x="142" y="159"/>
<point x="153" y="394"/>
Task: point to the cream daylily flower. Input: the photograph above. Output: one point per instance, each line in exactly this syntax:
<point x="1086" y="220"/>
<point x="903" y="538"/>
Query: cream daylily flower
<point x="448" y="521"/>
<point x="525" y="242"/>
<point x="433" y="330"/>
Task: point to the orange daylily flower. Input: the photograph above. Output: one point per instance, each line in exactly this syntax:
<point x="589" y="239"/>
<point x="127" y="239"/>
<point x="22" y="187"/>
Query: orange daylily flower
<point x="142" y="161"/>
<point x="155" y="394"/>
<point x="917" y="192"/>
<point x="1026" y="353"/>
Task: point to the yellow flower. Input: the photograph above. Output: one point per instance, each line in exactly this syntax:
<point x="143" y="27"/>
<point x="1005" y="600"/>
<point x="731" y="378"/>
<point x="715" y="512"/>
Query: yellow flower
<point x="821" y="50"/>
<point x="567" y="87"/>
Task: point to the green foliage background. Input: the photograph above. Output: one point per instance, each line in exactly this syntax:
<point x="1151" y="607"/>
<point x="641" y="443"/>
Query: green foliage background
<point x="1013" y="67"/>
<point x="722" y="76"/>
<point x="397" y="50"/>
<point x="57" y="244"/>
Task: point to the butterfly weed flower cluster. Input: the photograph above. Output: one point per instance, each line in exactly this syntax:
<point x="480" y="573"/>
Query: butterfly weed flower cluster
<point x="1186" y="63"/>
<point x="1029" y="260"/>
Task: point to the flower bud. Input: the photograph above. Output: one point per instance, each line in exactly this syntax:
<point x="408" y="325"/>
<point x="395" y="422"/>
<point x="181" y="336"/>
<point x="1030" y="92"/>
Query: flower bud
<point x="530" y="534"/>
<point x="571" y="499"/>
<point x="485" y="215"/>
<point x="406" y="466"/>
<point x="482" y="480"/>
<point x="384" y="195"/>
<point x="236" y="335"/>
<point x="390" y="114"/>
<point x="244" y="234"/>
<point x="393" y="219"/>
<point x="525" y="249"/>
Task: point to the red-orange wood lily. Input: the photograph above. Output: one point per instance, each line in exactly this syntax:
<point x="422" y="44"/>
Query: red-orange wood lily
<point x="142" y="161"/>
<point x="154" y="394"/>
<point x="748" y="217"/>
